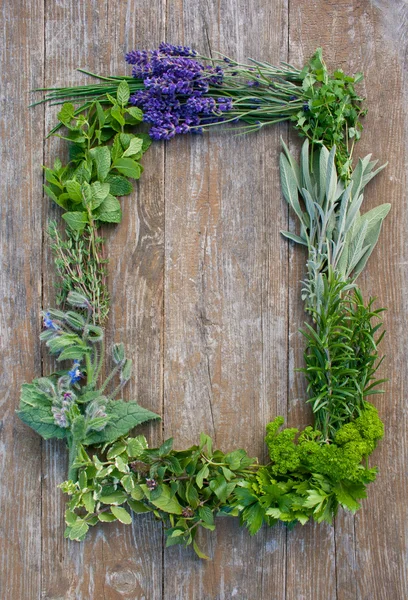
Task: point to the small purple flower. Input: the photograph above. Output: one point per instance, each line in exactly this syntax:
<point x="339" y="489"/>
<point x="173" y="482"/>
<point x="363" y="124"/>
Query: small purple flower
<point x="306" y="107"/>
<point x="151" y="484"/>
<point x="75" y="374"/>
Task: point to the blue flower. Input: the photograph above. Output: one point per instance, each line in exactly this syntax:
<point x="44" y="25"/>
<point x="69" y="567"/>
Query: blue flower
<point x="48" y="322"/>
<point x="75" y="373"/>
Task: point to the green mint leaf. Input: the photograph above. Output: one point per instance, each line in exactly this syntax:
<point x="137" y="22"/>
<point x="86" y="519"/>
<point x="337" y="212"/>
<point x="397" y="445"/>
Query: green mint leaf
<point x="165" y="502"/>
<point x="116" y="113"/>
<point x="115" y="498"/>
<point x="106" y="517"/>
<point x="116" y="449"/>
<point x="198" y="551"/>
<point x="66" y="114"/>
<point x="109" y="211"/>
<point x="100" y="114"/>
<point x="201" y="475"/>
<point x="119" y="186"/>
<point x="99" y="193"/>
<point x="76" y="220"/>
<point x="136" y="446"/>
<point x="135" y="113"/>
<point x="101" y="156"/>
<point x="166" y="447"/>
<point x="74" y="190"/>
<point x="78" y="531"/>
<point x="57" y="199"/>
<point x="135" y="146"/>
<point x="128" y="167"/>
<point x="138" y="507"/>
<point x="123" y="93"/>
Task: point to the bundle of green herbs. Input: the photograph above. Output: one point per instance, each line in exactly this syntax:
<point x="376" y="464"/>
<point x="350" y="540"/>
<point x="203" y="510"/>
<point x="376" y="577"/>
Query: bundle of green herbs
<point x="310" y="473"/>
<point x="181" y="92"/>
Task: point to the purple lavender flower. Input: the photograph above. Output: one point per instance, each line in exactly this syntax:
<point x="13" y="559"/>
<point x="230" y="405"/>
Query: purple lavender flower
<point x="174" y="100"/>
<point x="75" y="373"/>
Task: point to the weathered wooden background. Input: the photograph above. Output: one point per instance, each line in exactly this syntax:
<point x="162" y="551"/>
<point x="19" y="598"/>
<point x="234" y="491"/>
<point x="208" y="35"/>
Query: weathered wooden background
<point x="205" y="295"/>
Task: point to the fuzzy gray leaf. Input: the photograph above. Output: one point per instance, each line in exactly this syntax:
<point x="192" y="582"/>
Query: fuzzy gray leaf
<point x="289" y="186"/>
<point x="294" y="166"/>
<point x="294" y="238"/>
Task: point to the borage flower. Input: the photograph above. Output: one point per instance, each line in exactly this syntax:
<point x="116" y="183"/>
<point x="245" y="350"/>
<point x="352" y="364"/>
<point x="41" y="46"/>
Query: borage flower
<point x="75" y="373"/>
<point x="48" y="322"/>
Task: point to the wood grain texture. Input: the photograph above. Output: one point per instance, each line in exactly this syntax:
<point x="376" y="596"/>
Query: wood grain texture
<point x="21" y="154"/>
<point x="223" y="310"/>
<point x="117" y="562"/>
<point x="366" y="556"/>
<point x="205" y="295"/>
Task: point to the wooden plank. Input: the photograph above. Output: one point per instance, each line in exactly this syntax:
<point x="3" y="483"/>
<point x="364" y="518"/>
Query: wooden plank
<point x="364" y="557"/>
<point x="21" y="68"/>
<point x="224" y="332"/>
<point x="226" y="300"/>
<point x="116" y="561"/>
<point x="381" y="527"/>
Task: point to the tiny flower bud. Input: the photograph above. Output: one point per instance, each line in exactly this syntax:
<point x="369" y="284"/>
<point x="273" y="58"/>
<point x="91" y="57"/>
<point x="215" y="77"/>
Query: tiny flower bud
<point x="151" y="484"/>
<point x="138" y="466"/>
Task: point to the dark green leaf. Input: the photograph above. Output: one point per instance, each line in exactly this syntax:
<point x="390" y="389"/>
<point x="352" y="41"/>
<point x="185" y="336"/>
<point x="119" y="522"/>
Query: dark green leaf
<point x="119" y="186"/>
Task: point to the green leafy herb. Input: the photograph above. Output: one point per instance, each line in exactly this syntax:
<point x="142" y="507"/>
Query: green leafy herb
<point x="70" y="404"/>
<point x="184" y="489"/>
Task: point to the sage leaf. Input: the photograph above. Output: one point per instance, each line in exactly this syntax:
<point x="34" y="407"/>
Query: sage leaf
<point x="289" y="186"/>
<point x="294" y="238"/>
